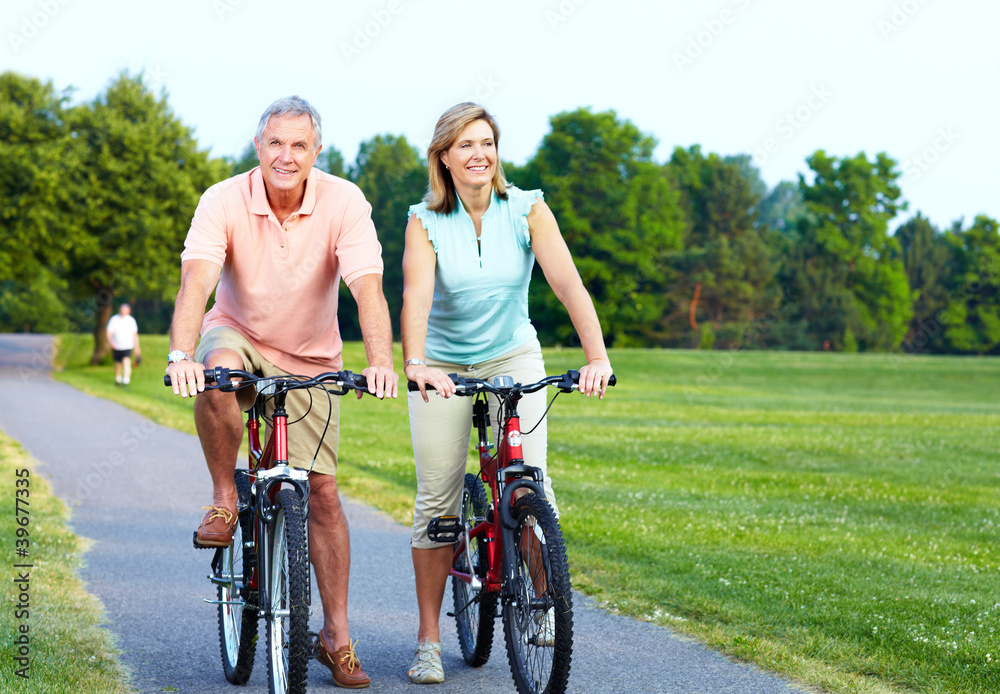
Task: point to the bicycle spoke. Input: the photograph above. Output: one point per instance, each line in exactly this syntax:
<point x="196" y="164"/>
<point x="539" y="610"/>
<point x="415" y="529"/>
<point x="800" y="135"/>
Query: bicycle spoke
<point x="237" y="612"/>
<point x="475" y="610"/>
<point x="538" y="614"/>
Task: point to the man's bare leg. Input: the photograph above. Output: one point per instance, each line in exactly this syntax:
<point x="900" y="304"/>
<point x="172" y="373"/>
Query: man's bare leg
<point x="219" y="421"/>
<point x="330" y="553"/>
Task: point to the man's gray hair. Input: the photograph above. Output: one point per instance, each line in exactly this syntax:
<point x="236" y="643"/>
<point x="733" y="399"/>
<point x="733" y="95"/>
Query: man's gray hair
<point x="292" y="106"/>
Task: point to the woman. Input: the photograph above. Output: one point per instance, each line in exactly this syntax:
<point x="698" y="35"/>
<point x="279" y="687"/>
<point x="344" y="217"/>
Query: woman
<point x="470" y="248"/>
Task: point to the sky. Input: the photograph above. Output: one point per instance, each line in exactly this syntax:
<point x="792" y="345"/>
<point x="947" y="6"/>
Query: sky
<point x="777" y="79"/>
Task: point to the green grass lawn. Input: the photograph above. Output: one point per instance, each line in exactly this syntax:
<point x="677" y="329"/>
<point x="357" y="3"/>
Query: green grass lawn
<point x="832" y="517"/>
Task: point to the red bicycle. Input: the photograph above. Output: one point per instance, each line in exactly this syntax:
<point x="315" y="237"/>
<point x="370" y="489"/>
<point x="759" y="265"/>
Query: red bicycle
<point x="510" y="550"/>
<point x="265" y="571"/>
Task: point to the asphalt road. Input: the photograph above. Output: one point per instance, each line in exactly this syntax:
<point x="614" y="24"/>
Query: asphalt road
<point x="136" y="489"/>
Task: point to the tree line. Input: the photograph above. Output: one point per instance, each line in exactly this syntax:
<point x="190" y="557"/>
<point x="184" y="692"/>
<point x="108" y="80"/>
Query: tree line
<point x="696" y="251"/>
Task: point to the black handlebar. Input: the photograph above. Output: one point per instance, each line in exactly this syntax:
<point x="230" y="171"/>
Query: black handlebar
<point x="219" y="378"/>
<point x="470" y="386"/>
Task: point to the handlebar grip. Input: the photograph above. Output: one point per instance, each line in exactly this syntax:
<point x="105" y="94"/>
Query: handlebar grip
<point x="575" y="377"/>
<point x="360" y="382"/>
<point x="413" y="387"/>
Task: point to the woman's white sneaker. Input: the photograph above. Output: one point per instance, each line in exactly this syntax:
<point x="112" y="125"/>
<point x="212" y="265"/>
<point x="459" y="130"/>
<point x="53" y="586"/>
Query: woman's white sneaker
<point x="545" y="622"/>
<point x="427" y="667"/>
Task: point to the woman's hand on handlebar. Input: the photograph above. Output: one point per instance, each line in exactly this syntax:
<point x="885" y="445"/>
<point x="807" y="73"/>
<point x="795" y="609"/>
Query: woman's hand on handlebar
<point x="425" y="376"/>
<point x="186" y="377"/>
<point x="594" y="377"/>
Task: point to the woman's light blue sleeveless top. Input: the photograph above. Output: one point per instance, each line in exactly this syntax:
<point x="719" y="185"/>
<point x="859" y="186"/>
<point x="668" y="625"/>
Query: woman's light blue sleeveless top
<point x="480" y="308"/>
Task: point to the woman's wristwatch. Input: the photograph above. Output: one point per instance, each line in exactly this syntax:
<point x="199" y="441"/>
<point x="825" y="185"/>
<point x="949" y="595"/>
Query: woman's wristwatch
<point x="414" y="362"/>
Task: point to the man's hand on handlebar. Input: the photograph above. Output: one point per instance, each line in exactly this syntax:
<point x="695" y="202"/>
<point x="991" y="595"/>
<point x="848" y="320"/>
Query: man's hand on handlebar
<point x="186" y="378"/>
<point x="383" y="382"/>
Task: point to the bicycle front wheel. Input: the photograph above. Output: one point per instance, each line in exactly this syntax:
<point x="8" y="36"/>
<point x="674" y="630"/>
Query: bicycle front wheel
<point x="475" y="609"/>
<point x="538" y="614"/>
<point x="288" y="586"/>
<point x="237" y="602"/>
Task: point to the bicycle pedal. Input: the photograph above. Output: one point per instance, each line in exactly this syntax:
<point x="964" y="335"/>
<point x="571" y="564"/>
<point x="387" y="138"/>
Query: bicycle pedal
<point x="198" y="545"/>
<point x="444" y="529"/>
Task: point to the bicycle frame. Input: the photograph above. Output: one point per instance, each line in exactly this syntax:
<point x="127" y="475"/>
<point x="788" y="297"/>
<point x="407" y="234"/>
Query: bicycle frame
<point x="267" y="471"/>
<point x="505" y="473"/>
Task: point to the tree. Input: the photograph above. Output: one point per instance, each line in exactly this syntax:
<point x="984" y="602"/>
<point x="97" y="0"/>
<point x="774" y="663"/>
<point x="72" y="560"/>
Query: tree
<point x="34" y="151"/>
<point x="749" y="176"/>
<point x="972" y="320"/>
<point x="332" y="161"/>
<point x="929" y="261"/>
<point x="393" y="176"/>
<point x="34" y="306"/>
<point x="245" y="162"/>
<point x="781" y="208"/>
<point x="620" y="218"/>
<point x="139" y="178"/>
<point x="724" y="271"/>
<point x="845" y="270"/>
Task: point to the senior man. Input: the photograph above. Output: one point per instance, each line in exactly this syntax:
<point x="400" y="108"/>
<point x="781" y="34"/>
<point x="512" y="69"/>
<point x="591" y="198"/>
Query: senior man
<point x="274" y="243"/>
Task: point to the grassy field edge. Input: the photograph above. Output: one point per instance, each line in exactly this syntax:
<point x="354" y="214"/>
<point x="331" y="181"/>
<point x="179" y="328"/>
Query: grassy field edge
<point x="729" y="470"/>
<point x="68" y="648"/>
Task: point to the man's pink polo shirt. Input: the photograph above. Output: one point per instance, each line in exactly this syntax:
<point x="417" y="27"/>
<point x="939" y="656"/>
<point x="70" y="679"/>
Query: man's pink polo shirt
<point x="279" y="283"/>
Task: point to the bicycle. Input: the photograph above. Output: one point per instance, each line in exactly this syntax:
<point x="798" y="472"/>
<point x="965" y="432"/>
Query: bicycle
<point x="265" y="571"/>
<point x="510" y="549"/>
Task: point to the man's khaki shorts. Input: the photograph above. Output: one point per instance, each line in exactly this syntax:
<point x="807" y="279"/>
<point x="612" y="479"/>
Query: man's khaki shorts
<point x="308" y="409"/>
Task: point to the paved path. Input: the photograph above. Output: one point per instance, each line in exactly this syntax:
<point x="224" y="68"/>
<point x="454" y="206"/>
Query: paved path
<point x="136" y="489"/>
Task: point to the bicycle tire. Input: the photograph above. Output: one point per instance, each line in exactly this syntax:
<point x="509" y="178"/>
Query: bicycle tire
<point x="474" y="620"/>
<point x="238" y="623"/>
<point x="539" y="657"/>
<point x="288" y="584"/>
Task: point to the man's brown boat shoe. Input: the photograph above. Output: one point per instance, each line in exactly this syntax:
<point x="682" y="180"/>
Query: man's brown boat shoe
<point x="217" y="527"/>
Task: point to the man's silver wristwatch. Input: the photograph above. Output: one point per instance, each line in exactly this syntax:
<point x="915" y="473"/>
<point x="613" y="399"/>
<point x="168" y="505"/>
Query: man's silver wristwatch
<point x="178" y="355"/>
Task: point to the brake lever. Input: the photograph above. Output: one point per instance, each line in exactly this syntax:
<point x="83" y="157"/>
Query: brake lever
<point x="570" y="381"/>
<point x="460" y="384"/>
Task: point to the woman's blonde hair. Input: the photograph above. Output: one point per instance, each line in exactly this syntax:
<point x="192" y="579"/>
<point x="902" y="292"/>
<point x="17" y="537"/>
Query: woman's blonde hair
<point x="441" y="195"/>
